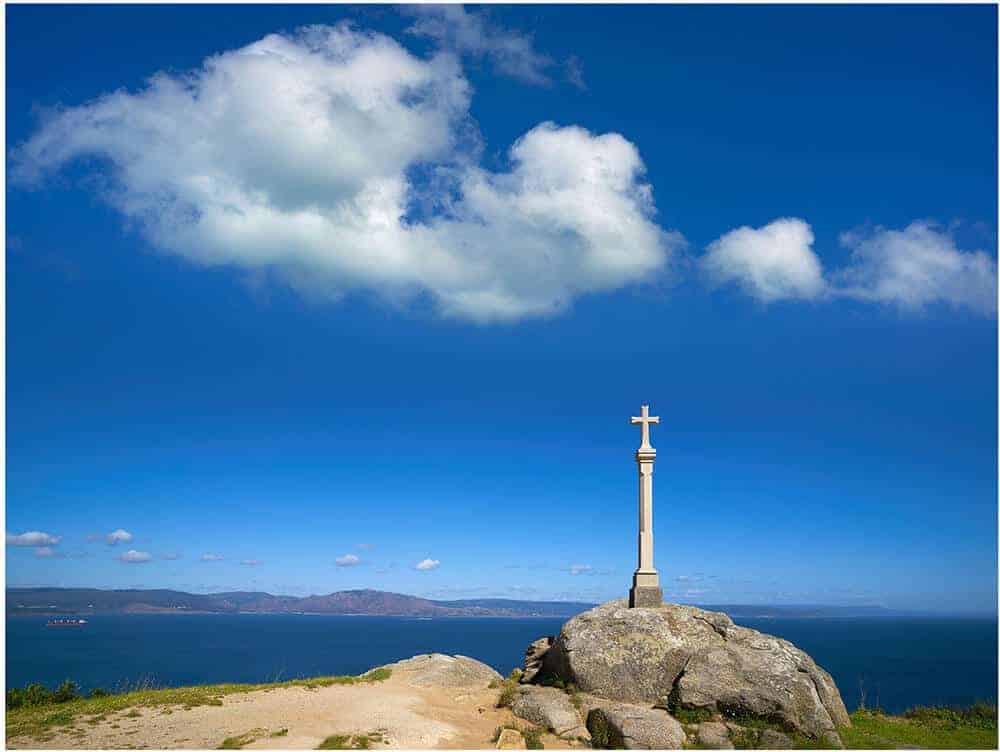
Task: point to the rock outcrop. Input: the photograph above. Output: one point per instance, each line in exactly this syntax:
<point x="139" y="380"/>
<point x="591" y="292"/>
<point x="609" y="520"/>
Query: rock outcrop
<point x="624" y="726"/>
<point x="714" y="735"/>
<point x="534" y="657"/>
<point x="549" y="708"/>
<point x="439" y="670"/>
<point x="687" y="659"/>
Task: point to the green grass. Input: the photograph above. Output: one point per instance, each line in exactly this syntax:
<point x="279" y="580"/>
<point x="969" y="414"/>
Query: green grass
<point x="239" y="742"/>
<point x="691" y="715"/>
<point x="352" y="741"/>
<point x="347" y="741"/>
<point x="928" y="728"/>
<point x="40" y="720"/>
<point x="337" y="741"/>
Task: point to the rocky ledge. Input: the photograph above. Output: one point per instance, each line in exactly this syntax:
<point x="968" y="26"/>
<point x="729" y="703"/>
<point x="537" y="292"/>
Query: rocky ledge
<point x="663" y="677"/>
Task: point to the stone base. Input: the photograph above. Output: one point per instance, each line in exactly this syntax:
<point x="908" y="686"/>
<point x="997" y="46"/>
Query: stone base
<point x="645" y="597"/>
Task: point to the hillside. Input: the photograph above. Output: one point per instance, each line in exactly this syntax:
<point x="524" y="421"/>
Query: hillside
<point x="370" y="602"/>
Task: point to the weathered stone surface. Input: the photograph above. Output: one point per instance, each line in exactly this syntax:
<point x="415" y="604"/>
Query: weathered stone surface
<point x="645" y="597"/>
<point x="439" y="670"/>
<point x="698" y="659"/>
<point x="549" y="708"/>
<point x="771" y="739"/>
<point x="534" y="657"/>
<point x="714" y="735"/>
<point x="623" y="726"/>
<point x="832" y="740"/>
<point x="510" y="739"/>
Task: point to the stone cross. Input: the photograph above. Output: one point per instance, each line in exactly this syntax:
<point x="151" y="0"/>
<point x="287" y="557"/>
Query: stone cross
<point x="645" y="590"/>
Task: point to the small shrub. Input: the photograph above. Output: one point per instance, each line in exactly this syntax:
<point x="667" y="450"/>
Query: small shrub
<point x="533" y="737"/>
<point x="66" y="691"/>
<point x="15" y="698"/>
<point x="515" y="675"/>
<point x="279" y="732"/>
<point x="507" y="696"/>
<point x="600" y="734"/>
<point x="37" y="694"/>
<point x="98" y="692"/>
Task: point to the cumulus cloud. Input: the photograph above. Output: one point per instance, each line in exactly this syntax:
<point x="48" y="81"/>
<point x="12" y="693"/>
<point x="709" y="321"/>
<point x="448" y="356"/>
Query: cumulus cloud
<point x="576" y="569"/>
<point x="135" y="557"/>
<point x="473" y="33"/>
<point x="251" y="562"/>
<point x="348" y="560"/>
<point x="45" y="552"/>
<point x="917" y="266"/>
<point x="911" y="268"/>
<point x="769" y="263"/>
<point x="116" y="536"/>
<point x="32" y="538"/>
<point x="357" y="173"/>
<point x="426" y="565"/>
<point x="212" y="557"/>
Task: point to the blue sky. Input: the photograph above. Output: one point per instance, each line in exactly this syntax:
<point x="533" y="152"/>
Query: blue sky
<point x="310" y="308"/>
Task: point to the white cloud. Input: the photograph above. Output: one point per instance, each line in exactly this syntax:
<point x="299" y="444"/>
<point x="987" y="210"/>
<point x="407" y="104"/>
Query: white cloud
<point x="135" y="557"/>
<point x="365" y="546"/>
<point x="32" y="538"/>
<point x="770" y="263"/>
<point x="917" y="266"/>
<point x="117" y="536"/>
<point x="576" y="569"/>
<point x="212" y="557"/>
<point x="171" y="556"/>
<point x="356" y="173"/>
<point x="911" y="268"/>
<point x="44" y="552"/>
<point x="472" y="33"/>
<point x="251" y="562"/>
<point x="426" y="565"/>
<point x="348" y="560"/>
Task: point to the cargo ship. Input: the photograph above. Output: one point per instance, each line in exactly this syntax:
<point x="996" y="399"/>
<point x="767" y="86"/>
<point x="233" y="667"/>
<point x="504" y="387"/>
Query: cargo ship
<point x="66" y="622"/>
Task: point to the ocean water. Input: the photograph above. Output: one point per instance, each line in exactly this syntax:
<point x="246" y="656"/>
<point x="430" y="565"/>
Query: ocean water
<point x="899" y="662"/>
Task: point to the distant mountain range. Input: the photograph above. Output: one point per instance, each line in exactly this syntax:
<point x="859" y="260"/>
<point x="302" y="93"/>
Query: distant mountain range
<point x="367" y="602"/>
<point x="355" y="602"/>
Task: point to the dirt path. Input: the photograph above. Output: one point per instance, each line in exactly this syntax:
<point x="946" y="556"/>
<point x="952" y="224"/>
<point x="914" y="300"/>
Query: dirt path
<point x="408" y="710"/>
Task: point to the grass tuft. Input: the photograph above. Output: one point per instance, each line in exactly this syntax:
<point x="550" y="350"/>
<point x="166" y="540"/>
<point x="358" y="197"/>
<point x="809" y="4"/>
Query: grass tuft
<point x="507" y="695"/>
<point x="238" y="742"/>
<point x="533" y="737"/>
<point x="349" y="741"/>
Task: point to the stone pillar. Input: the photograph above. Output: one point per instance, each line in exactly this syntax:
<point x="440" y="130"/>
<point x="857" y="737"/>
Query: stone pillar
<point x="645" y="590"/>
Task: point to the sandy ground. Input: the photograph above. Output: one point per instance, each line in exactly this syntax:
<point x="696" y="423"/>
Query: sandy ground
<point x="406" y="715"/>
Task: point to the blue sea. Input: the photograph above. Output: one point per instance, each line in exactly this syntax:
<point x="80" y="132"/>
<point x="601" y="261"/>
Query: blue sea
<point x="899" y="662"/>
